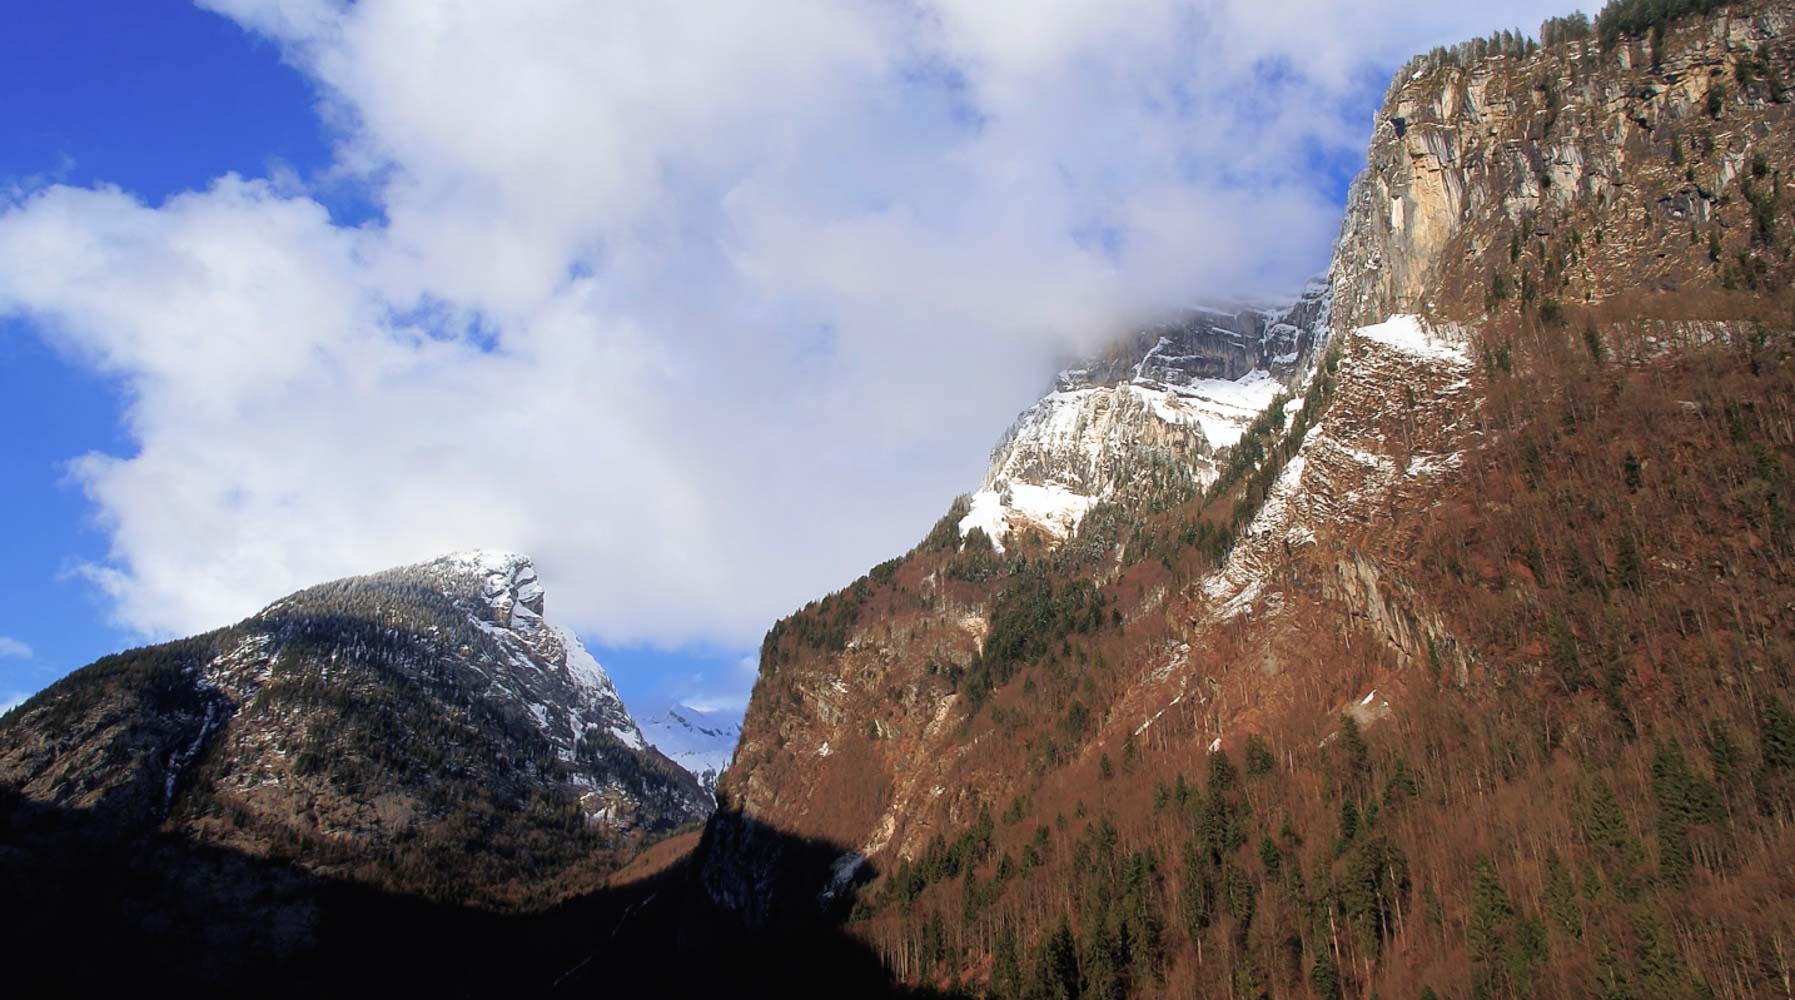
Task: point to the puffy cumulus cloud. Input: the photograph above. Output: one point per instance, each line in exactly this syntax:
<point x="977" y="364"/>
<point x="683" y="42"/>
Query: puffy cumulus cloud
<point x="707" y="305"/>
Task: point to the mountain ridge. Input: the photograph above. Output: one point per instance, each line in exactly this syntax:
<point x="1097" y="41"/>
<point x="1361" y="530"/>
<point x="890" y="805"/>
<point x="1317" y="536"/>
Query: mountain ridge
<point x="344" y="723"/>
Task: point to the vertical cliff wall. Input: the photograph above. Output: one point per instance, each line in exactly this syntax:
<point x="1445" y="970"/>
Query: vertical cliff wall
<point x="1572" y="172"/>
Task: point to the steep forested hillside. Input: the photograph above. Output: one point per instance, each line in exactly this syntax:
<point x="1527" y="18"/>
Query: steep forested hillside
<point x="1471" y="671"/>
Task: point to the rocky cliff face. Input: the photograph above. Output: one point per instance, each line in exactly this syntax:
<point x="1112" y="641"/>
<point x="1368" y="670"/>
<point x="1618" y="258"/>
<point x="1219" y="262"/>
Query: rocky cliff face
<point x="349" y="726"/>
<point x="1572" y="173"/>
<point x="1143" y="423"/>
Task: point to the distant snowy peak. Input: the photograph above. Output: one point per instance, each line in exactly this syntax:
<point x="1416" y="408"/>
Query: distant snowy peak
<point x="1146" y="418"/>
<point x="701" y="742"/>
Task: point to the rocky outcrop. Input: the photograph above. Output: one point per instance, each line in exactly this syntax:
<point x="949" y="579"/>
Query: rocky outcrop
<point x="1142" y="424"/>
<point x="1209" y="343"/>
<point x="1605" y="172"/>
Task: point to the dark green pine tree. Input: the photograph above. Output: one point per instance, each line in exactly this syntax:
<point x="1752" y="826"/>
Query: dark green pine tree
<point x="1223" y="777"/>
<point x="1241" y="897"/>
<point x="1349" y="826"/>
<point x="1056" y="965"/>
<point x="1684" y="799"/>
<point x="1724" y="752"/>
<point x="1660" y="970"/>
<point x="1629" y="567"/>
<point x="1606" y="827"/>
<point x="1196" y="892"/>
<point x="1006" y="964"/>
<point x="1500" y="945"/>
<point x="1141" y="921"/>
<point x="1324" y="977"/>
<point x="1102" y="958"/>
<point x="1561" y="897"/>
<point x="1259" y="758"/>
<point x="1355" y="757"/>
<point x="1777" y="727"/>
<point x="934" y="942"/>
<point x="1269" y="855"/>
<point x="1776" y="750"/>
<point x="1376" y="878"/>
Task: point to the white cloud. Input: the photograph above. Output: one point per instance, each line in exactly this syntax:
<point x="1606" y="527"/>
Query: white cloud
<point x="724" y="705"/>
<point x="707" y="308"/>
<point x="10" y="647"/>
<point x="723" y="691"/>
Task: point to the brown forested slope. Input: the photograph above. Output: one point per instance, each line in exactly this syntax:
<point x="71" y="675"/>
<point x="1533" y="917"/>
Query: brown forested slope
<point x="1475" y="679"/>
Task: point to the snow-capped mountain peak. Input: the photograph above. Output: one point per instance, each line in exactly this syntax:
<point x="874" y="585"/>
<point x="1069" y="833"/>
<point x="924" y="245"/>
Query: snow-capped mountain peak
<point x="506" y="600"/>
<point x="699" y="741"/>
<point x="498" y="642"/>
<point x="1147" y="418"/>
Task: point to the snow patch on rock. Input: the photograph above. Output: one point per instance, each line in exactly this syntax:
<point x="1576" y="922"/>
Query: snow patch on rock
<point x="1410" y="335"/>
<point x="1051" y="507"/>
<point x="1330" y="481"/>
<point x="1069" y="451"/>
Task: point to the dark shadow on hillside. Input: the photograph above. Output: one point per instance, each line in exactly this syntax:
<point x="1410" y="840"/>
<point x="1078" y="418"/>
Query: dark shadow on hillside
<point x="86" y="910"/>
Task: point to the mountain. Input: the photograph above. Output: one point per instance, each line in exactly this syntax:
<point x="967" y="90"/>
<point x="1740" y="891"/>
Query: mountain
<point x="701" y="742"/>
<point x="1145" y="422"/>
<point x="1459" y="670"/>
<point x="424" y="729"/>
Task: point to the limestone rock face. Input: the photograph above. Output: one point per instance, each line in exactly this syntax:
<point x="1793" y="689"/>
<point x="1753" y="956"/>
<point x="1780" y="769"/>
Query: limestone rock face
<point x="1472" y="169"/>
<point x="1144" y="422"/>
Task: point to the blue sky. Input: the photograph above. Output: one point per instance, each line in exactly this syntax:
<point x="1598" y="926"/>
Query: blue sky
<point x="154" y="97"/>
<point x="705" y="310"/>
